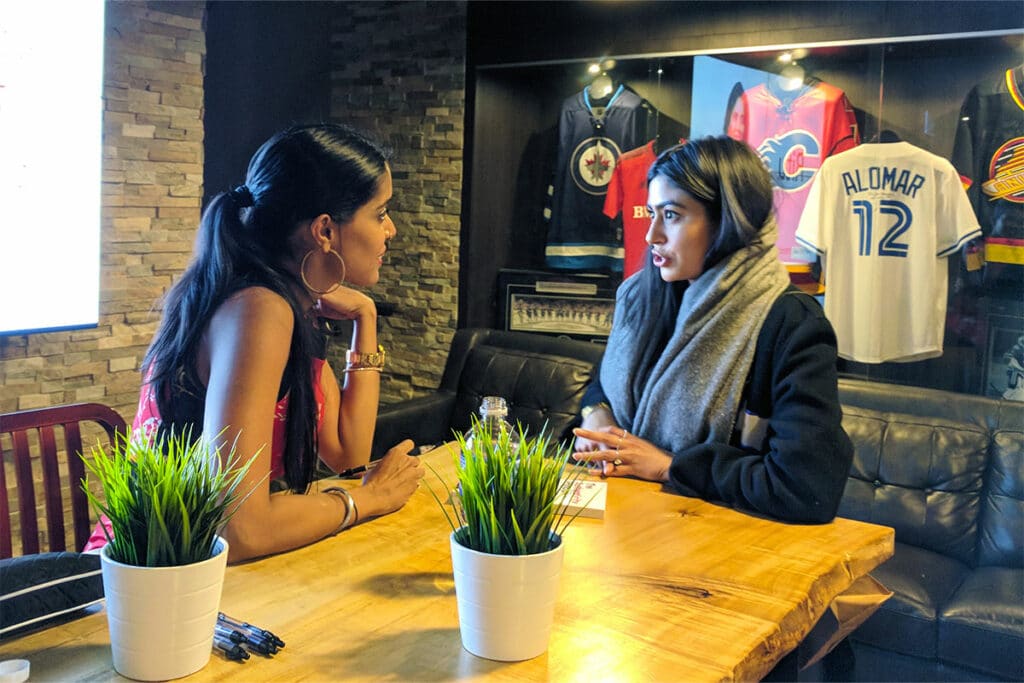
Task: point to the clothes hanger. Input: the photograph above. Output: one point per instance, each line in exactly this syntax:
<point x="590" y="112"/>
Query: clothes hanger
<point x="885" y="136"/>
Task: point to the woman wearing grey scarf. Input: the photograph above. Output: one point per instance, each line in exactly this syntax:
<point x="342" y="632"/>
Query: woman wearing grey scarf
<point x="719" y="377"/>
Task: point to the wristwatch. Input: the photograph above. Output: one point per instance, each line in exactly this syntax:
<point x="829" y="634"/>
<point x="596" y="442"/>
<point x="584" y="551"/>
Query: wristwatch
<point x="587" y="410"/>
<point x="375" y="359"/>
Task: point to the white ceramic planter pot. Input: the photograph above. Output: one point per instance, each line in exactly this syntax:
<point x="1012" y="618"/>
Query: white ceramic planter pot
<point x="161" y="619"/>
<point x="506" y="602"/>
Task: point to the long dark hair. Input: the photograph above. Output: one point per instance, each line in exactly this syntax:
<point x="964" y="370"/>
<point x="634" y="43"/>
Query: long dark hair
<point x="243" y="241"/>
<point x="728" y="178"/>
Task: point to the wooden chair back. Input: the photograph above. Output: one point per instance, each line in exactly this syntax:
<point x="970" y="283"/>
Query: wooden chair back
<point x="17" y="427"/>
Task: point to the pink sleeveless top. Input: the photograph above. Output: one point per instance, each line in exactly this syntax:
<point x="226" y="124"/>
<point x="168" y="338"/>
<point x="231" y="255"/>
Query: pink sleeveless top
<point x="147" y="421"/>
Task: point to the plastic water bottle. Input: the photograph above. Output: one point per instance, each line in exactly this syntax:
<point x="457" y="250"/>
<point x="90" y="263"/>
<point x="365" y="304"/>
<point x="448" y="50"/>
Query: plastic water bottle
<point x="494" y="418"/>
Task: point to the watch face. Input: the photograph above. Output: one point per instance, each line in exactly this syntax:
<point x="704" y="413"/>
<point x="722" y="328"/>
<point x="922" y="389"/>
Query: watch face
<point x="374" y="359"/>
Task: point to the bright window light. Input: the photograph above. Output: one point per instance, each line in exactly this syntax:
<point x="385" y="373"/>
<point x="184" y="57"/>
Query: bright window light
<point x="51" y="85"/>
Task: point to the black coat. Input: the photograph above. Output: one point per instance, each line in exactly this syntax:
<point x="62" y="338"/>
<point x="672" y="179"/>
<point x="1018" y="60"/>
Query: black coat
<point x="798" y="470"/>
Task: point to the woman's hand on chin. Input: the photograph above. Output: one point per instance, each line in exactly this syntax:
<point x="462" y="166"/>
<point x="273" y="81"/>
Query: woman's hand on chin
<point x="345" y="303"/>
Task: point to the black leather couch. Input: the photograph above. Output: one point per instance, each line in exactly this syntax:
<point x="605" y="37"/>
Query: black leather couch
<point x="946" y="471"/>
<point x="542" y="378"/>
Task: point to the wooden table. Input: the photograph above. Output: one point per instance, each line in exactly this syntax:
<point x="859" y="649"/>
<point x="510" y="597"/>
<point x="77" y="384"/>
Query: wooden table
<point x="664" y="588"/>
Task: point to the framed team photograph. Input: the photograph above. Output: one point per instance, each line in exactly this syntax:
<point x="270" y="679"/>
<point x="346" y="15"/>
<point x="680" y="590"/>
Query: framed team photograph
<point x="587" y="317"/>
<point x="578" y="306"/>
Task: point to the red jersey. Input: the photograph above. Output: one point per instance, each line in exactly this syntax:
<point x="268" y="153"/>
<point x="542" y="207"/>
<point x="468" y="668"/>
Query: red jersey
<point x="627" y="194"/>
<point x="793" y="132"/>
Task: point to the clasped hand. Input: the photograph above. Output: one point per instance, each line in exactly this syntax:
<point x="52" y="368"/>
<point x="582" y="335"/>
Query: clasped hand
<point x="621" y="454"/>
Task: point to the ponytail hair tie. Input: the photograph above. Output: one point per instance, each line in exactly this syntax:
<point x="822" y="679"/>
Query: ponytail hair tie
<point x="242" y="196"/>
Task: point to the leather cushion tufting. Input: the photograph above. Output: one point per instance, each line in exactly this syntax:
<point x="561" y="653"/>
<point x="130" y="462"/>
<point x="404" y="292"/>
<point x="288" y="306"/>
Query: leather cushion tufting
<point x="1001" y="529"/>
<point x="921" y="476"/>
<point x="541" y="389"/>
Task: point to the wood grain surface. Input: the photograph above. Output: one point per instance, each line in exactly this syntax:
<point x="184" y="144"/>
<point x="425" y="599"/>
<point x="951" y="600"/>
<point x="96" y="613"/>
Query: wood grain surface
<point x="664" y="588"/>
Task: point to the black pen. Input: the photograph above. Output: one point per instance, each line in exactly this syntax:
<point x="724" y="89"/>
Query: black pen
<point x="224" y="632"/>
<point x="243" y="636"/>
<point x="249" y="628"/>
<point x="353" y="471"/>
<point x="231" y="651"/>
<point x="257" y="643"/>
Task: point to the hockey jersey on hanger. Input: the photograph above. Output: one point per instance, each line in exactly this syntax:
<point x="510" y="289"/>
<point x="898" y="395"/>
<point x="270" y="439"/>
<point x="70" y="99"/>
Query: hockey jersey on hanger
<point x="793" y="131"/>
<point x="590" y="141"/>
<point x="627" y="197"/>
<point x="988" y="151"/>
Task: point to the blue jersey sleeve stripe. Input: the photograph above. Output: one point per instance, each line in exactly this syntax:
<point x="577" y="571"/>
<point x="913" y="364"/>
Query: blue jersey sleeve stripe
<point x="966" y="238"/>
<point x="810" y="246"/>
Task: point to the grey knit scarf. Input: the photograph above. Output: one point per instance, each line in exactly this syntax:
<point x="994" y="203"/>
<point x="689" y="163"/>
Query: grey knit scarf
<point x="693" y="391"/>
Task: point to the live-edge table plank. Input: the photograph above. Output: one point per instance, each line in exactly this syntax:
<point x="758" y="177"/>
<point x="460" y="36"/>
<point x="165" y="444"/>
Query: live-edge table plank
<point x="664" y="588"/>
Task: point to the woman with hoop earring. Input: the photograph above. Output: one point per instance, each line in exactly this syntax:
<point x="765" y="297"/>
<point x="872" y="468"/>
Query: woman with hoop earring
<point x="240" y="352"/>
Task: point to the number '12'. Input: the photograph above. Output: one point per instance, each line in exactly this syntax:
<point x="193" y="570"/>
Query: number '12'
<point x="864" y="210"/>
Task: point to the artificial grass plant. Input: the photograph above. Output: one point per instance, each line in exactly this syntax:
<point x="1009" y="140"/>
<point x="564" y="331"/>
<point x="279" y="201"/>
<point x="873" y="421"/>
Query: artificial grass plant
<point x="509" y="493"/>
<point x="167" y="498"/>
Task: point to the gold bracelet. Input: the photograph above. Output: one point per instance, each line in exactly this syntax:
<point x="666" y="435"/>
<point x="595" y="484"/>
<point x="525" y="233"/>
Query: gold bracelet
<point x="351" y="512"/>
<point x="377" y="370"/>
<point x="365" y="361"/>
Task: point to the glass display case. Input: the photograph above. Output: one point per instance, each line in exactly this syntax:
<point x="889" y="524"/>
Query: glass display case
<point x="908" y="130"/>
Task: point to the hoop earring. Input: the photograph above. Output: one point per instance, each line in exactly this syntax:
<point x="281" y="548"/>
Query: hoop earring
<point x="305" y="280"/>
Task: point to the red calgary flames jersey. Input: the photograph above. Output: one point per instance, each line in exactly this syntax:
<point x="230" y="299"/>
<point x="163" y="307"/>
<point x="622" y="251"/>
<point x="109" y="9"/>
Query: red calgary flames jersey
<point x="793" y="132"/>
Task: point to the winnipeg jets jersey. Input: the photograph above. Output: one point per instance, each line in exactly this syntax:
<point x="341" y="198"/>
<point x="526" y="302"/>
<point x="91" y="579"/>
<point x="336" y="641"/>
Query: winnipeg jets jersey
<point x="580" y="236"/>
<point x="884" y="217"/>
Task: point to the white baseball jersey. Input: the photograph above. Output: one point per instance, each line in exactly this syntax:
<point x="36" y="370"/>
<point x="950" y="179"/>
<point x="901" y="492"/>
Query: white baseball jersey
<point x="884" y="217"/>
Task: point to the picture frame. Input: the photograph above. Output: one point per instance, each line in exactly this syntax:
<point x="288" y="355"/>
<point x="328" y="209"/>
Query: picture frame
<point x="576" y="306"/>
<point x="1004" y="333"/>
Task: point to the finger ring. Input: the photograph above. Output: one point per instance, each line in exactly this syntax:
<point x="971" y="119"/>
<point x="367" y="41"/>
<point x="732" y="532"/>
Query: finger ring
<point x="616" y="462"/>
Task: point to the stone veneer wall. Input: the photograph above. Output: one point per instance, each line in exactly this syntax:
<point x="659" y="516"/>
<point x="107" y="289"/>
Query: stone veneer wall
<point x="399" y="74"/>
<point x="152" y="185"/>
